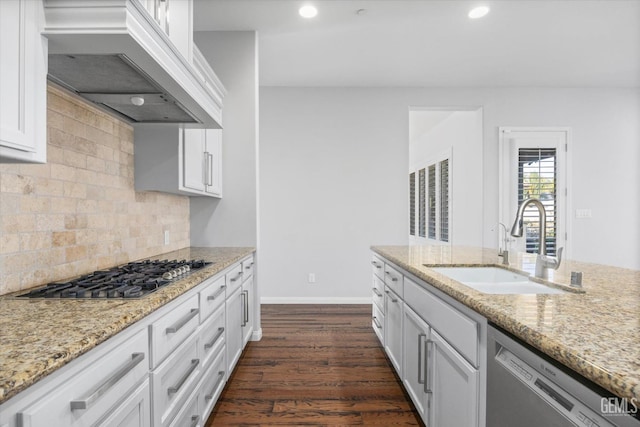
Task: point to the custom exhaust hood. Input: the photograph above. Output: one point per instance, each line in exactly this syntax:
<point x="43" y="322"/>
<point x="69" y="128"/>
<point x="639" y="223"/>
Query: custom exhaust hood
<point x="112" y="53"/>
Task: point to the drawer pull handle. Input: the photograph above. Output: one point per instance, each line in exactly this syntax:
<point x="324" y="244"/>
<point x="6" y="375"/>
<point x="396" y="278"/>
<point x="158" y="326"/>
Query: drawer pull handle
<point x="376" y="265"/>
<point x="390" y="296"/>
<point x="174" y="389"/>
<point x="394" y="279"/>
<point x="180" y="323"/>
<point x="215" y="387"/>
<point x="375" y="321"/>
<point x="195" y="420"/>
<point x="427" y="388"/>
<point x="245" y="308"/>
<point x="233" y="279"/>
<point x="217" y="294"/>
<point x="215" y="339"/>
<point x="95" y="394"/>
<point x="375" y="291"/>
<point x="248" y="267"/>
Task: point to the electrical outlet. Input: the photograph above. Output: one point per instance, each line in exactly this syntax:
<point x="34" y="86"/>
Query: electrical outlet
<point x="583" y="213"/>
<point x="166" y="237"/>
<point x="311" y="278"/>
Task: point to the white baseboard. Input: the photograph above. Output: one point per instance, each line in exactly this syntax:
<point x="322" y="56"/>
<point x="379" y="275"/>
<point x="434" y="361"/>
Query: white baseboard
<point x="256" y="335"/>
<point x="314" y="300"/>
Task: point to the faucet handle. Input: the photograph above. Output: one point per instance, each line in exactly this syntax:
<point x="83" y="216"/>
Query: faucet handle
<point x="555" y="262"/>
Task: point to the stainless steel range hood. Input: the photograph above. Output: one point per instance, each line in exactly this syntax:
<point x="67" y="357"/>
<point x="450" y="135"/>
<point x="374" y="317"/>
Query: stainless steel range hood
<point x="111" y="52"/>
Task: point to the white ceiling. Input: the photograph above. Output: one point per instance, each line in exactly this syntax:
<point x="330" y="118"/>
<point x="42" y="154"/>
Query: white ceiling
<point x="432" y="43"/>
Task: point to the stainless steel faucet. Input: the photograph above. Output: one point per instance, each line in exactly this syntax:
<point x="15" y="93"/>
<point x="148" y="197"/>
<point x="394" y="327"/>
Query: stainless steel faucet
<point x="544" y="263"/>
<point x="504" y="251"/>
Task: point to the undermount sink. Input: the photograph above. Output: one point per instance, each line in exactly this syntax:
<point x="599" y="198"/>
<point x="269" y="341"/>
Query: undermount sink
<point x="495" y="280"/>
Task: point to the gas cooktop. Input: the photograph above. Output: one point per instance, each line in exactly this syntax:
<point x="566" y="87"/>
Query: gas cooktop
<point x="132" y="280"/>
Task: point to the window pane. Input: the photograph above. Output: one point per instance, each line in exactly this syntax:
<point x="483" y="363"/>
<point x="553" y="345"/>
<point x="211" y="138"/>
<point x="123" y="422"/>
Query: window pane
<point x="412" y="204"/>
<point x="444" y="200"/>
<point x="432" y="201"/>
<point x="537" y="178"/>
<point x="421" y="203"/>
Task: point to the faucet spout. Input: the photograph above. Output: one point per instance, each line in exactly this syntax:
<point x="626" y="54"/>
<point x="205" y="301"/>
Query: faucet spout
<point x="517" y="229"/>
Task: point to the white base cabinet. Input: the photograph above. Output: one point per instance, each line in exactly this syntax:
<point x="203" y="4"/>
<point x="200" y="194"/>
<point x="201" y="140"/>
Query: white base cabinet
<point x="436" y="345"/>
<point x="166" y="370"/>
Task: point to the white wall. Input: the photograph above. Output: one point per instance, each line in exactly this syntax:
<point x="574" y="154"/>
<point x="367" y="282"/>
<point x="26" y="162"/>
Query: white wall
<point x="334" y="167"/>
<point x="232" y="220"/>
<point x="459" y="133"/>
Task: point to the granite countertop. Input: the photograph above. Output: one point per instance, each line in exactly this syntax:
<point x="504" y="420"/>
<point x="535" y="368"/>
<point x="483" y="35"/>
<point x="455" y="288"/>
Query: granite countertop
<point x="38" y="336"/>
<point x="596" y="333"/>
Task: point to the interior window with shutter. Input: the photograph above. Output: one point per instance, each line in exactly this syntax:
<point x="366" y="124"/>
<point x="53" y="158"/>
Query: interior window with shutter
<point x="432" y="201"/>
<point x="412" y="204"/>
<point x="537" y="173"/>
<point x="444" y="200"/>
<point x="421" y="203"/>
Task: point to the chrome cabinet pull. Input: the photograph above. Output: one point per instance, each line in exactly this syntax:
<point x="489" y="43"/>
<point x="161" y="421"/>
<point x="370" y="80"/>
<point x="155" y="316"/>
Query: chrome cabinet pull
<point x="394" y="279"/>
<point x="215" y="386"/>
<point x="390" y="296"/>
<point x="195" y="420"/>
<point x="427" y="388"/>
<point x="376" y="265"/>
<point x="375" y="291"/>
<point x="215" y="339"/>
<point x="180" y="323"/>
<point x="245" y="308"/>
<point x="95" y="394"/>
<point x="217" y="294"/>
<point x="420" y="376"/>
<point x="375" y="321"/>
<point x="249" y="266"/>
<point x="206" y="168"/>
<point x="210" y="170"/>
<point x="174" y="389"/>
<point x="237" y="277"/>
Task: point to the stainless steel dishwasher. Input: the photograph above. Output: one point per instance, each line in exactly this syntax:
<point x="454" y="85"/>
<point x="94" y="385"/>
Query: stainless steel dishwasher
<point x="526" y="388"/>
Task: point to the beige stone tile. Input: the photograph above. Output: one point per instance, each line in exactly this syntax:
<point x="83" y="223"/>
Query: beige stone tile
<point x="22" y="184"/>
<point x="35" y="278"/>
<point x="48" y="187"/>
<point x="75" y="190"/>
<point x="87" y="206"/>
<point x="35" y="204"/>
<point x="18" y="223"/>
<point x="10" y="283"/>
<point x="9" y="243"/>
<point x="49" y="222"/>
<point x="63" y="172"/>
<point x="64" y="205"/>
<point x="75" y="253"/>
<point x="9" y="203"/>
<point x="35" y="241"/>
<point x="36" y="170"/>
<point x="95" y="164"/>
<point x="54" y="119"/>
<point x="88" y="236"/>
<point x="63" y="238"/>
<point x="74" y="159"/>
<point x="75" y="221"/>
<point x="55" y="154"/>
<point x="57" y="137"/>
<point x="18" y="262"/>
<point x="72" y="126"/>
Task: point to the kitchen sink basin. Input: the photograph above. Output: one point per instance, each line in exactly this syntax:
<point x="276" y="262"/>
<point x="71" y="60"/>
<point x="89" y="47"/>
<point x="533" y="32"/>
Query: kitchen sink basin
<point x="495" y="280"/>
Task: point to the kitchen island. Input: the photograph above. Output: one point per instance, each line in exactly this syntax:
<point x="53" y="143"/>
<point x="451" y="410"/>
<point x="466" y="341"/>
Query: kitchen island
<point x="39" y="336"/>
<point x="595" y="333"/>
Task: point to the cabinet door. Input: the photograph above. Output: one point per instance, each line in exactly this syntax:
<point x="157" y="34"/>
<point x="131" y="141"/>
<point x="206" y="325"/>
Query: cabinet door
<point x="213" y="161"/>
<point x="393" y="328"/>
<point x="193" y="159"/>
<point x="134" y="411"/>
<point x="415" y="334"/>
<point x="23" y="82"/>
<point x="247" y="310"/>
<point x="454" y="384"/>
<point x="234" y="328"/>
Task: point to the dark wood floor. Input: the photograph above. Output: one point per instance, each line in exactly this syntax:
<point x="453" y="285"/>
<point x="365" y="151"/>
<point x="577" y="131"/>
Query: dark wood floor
<point x="316" y="365"/>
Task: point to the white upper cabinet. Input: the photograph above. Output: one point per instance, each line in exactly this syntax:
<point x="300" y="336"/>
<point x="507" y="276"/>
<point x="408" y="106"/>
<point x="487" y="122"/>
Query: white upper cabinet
<point x="23" y="82"/>
<point x="175" y="18"/>
<point x="176" y="160"/>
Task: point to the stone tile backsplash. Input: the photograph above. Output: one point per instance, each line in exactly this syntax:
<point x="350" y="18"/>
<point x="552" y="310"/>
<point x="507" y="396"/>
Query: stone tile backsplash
<point x="79" y="212"/>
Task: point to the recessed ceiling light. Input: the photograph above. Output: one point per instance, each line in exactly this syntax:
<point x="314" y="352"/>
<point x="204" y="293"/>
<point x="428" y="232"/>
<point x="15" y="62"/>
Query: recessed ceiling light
<point x="478" y="12"/>
<point x="308" y="11"/>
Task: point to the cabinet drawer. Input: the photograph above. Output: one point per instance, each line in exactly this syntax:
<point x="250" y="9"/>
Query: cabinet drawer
<point x="377" y="321"/>
<point x="377" y="266"/>
<point x="393" y="279"/>
<point x="212" y="337"/>
<point x="378" y="292"/>
<point x="134" y="411"/>
<point x="247" y="268"/>
<point x="189" y="416"/>
<point x="174" y="380"/>
<point x="93" y="393"/>
<point x="212" y="297"/>
<point x="172" y="329"/>
<point x="211" y="386"/>
<point x="458" y="329"/>
<point x="234" y="278"/>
